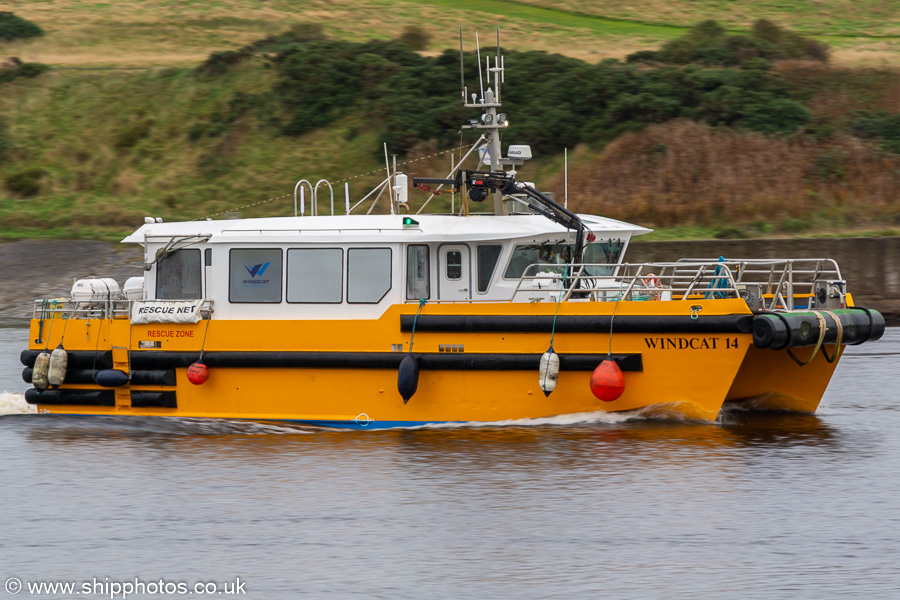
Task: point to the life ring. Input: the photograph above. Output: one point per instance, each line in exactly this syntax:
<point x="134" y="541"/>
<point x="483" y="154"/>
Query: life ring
<point x="650" y="280"/>
<point x="651" y="283"/>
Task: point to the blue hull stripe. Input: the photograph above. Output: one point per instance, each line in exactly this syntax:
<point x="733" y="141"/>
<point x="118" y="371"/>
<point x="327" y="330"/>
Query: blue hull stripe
<point x="333" y="424"/>
<point x="370" y="425"/>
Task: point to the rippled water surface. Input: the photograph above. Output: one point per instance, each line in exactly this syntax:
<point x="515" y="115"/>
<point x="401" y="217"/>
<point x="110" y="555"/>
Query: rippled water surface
<point x="763" y="506"/>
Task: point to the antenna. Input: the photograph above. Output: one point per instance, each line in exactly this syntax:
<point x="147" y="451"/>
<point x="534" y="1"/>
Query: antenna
<point x="496" y="65"/>
<point x="480" y="81"/>
<point x="566" y="179"/>
<point x="387" y="185"/>
<point x="347" y="196"/>
<point x="462" y="80"/>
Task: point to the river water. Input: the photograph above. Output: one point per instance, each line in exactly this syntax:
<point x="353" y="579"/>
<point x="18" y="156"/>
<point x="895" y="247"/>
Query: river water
<point x="591" y="506"/>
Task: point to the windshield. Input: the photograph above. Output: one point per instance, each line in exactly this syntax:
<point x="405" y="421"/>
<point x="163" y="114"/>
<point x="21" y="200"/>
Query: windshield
<point x="608" y="252"/>
<point x="530" y="254"/>
<point x="525" y="255"/>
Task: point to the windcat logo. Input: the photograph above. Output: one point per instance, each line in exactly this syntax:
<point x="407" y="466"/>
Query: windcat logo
<point x="257" y="269"/>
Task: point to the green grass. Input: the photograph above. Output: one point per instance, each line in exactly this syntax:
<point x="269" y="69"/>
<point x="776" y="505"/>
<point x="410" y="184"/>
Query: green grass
<point x="596" y="24"/>
<point x="133" y="33"/>
<point x="832" y="18"/>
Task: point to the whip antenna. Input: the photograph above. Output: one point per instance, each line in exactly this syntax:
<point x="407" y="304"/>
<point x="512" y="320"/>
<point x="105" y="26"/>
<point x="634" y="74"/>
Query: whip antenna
<point x="478" y="53"/>
<point x="496" y="67"/>
<point x="462" y="80"/>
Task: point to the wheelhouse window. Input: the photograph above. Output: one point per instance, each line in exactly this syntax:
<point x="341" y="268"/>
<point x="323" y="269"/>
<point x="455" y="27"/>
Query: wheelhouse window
<point x="178" y="275"/>
<point x="368" y="274"/>
<point x="602" y="253"/>
<point x="315" y="275"/>
<point x="417" y="272"/>
<point x="526" y="255"/>
<point x="254" y="275"/>
<point x="454" y="265"/>
<point x="486" y="257"/>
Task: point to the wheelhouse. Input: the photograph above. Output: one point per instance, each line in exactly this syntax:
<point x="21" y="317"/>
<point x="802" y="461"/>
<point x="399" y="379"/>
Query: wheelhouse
<point x="346" y="267"/>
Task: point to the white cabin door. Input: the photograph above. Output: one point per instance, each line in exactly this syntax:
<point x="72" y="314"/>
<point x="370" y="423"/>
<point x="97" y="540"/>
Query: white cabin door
<point x="454" y="275"/>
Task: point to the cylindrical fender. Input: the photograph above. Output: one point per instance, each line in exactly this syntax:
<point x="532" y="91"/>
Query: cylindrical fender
<point x="780" y="330"/>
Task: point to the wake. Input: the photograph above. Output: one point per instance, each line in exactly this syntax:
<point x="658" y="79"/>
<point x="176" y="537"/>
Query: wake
<point x="14" y="404"/>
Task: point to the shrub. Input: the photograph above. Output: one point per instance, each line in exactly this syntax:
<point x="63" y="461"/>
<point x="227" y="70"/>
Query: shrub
<point x="642" y="56"/>
<point x="881" y="126"/>
<point x="415" y="38"/>
<point x="14" y="28"/>
<point x="26" y="183"/>
<point x="218" y="63"/>
<point x="404" y="94"/>
<point x="32" y="69"/>
<point x="775" y="115"/>
<point x="23" y="70"/>
<point x="707" y="43"/>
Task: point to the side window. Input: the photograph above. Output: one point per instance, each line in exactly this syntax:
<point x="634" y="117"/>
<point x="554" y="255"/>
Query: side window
<point x="523" y="257"/>
<point x="178" y="275"/>
<point x="368" y="274"/>
<point x="254" y="275"/>
<point x="417" y="272"/>
<point x="315" y="275"/>
<point x="486" y="258"/>
<point x="454" y="264"/>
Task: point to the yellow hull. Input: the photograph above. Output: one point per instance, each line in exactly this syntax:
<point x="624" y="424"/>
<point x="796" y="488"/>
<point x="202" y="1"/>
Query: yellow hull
<point x="690" y="372"/>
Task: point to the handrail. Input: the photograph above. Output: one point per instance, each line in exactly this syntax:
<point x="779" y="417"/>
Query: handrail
<point x="315" y="210"/>
<point x="311" y="193"/>
<point x="117" y="308"/>
<point x="679" y="280"/>
<point x="779" y="283"/>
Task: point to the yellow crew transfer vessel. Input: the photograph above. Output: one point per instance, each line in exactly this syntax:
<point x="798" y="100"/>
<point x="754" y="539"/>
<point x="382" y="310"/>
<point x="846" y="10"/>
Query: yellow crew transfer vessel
<point x="372" y="321"/>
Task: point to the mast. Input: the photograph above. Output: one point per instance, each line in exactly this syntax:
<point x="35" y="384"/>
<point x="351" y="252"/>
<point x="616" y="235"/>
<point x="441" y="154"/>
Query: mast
<point x="488" y="103"/>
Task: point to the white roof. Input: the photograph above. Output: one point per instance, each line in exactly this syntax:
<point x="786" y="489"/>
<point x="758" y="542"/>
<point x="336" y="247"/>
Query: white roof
<point x="383" y="228"/>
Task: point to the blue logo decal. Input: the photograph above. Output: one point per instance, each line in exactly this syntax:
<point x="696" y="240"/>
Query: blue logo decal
<point x="257" y="269"/>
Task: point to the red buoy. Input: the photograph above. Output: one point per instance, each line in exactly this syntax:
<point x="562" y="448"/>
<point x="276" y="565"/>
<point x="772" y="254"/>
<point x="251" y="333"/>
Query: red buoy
<point x="197" y="373"/>
<point x="607" y="381"/>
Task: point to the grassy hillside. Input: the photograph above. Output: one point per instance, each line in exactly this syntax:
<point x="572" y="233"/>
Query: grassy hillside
<point x="692" y="180"/>
<point x="706" y="151"/>
<point x="182" y="32"/>
<point x="108" y="148"/>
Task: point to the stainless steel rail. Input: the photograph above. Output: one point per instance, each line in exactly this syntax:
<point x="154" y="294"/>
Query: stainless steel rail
<point x="65" y="308"/>
<point x="780" y="281"/>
